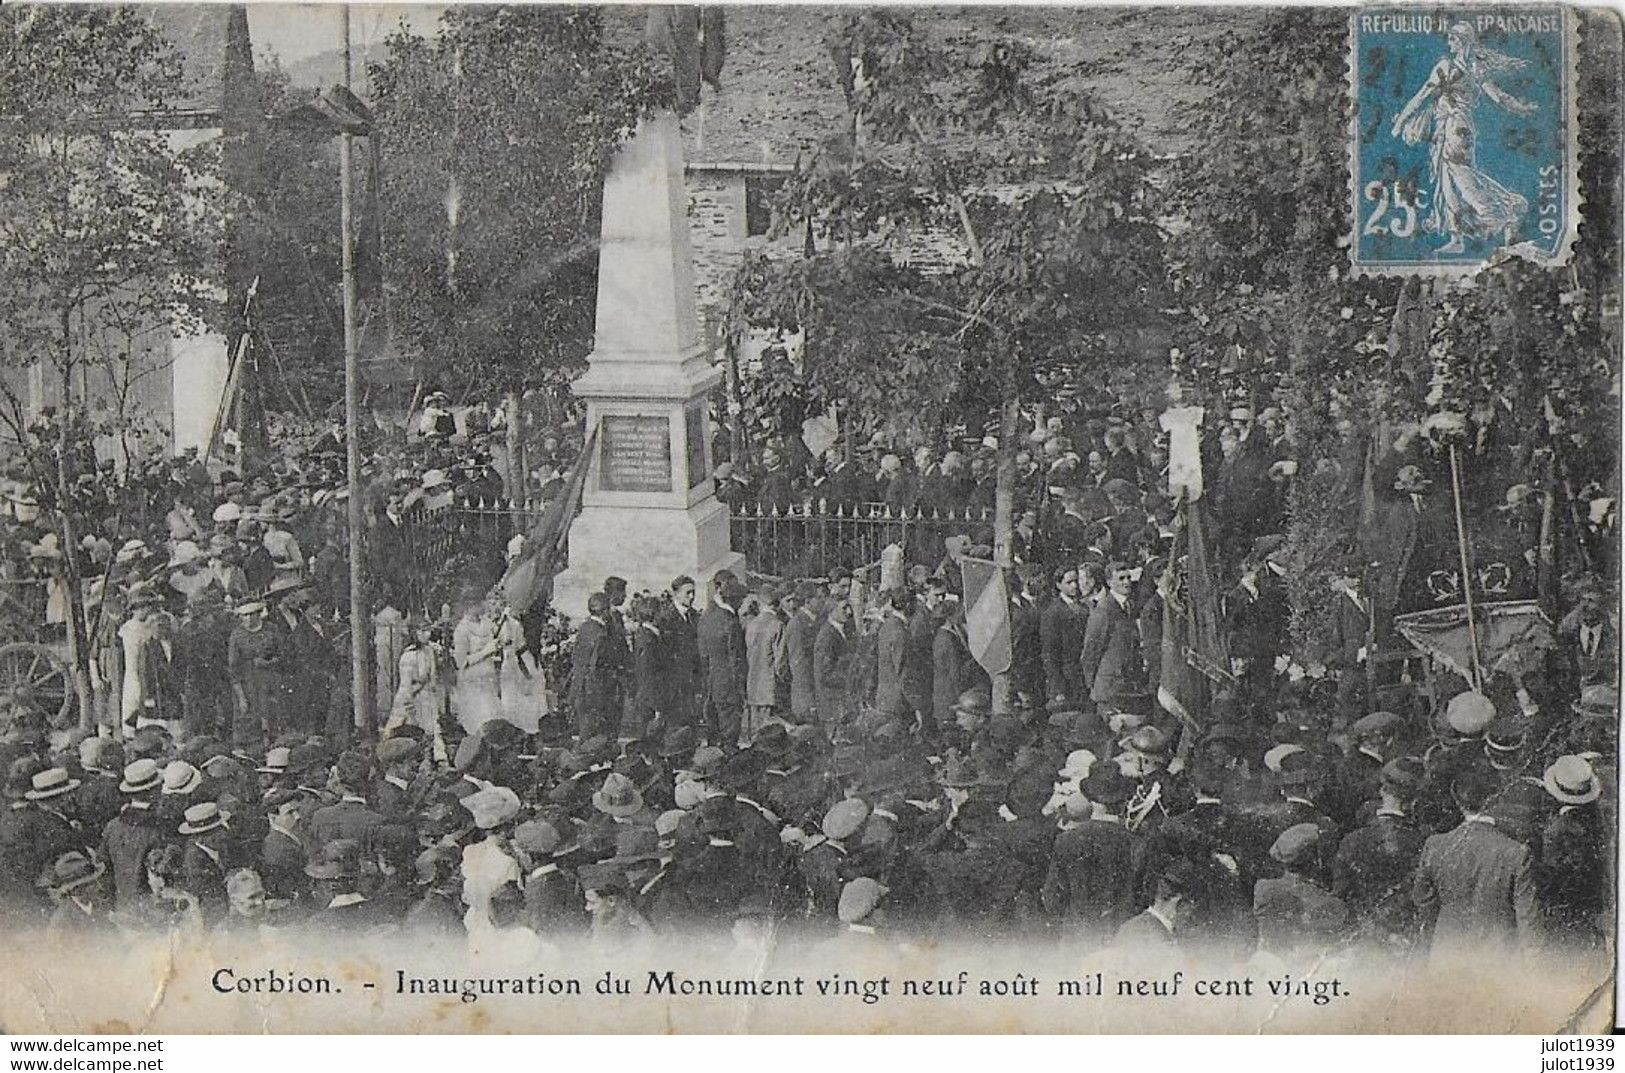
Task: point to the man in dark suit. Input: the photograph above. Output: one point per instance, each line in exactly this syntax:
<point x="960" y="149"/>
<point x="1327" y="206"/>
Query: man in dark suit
<point x="1111" y="661"/>
<point x="800" y="639"/>
<point x="1159" y="926"/>
<point x="393" y="795"/>
<point x="680" y="655"/>
<point x="350" y="817"/>
<point x="1062" y="626"/>
<point x="721" y="640"/>
<point x="1026" y="636"/>
<point x="133" y="833"/>
<point x="891" y="697"/>
<point x="592" y="674"/>
<point x="341" y="907"/>
<point x="1374" y="864"/>
<point x="206" y="858"/>
<point x="832" y="671"/>
<point x="923" y="621"/>
<point x="1092" y="877"/>
<point x="1475" y="887"/>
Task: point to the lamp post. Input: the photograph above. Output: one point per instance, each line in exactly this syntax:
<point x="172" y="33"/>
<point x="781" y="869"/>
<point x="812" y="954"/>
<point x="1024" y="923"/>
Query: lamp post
<point x="339" y="111"/>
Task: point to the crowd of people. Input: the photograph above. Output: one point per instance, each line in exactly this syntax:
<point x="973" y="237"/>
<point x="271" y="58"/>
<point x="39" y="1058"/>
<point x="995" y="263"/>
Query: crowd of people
<point x="825" y="752"/>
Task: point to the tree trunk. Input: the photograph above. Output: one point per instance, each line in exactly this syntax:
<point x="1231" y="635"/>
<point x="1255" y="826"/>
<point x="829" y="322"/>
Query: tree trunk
<point x="518" y="475"/>
<point x="1004" y="508"/>
<point x="78" y="643"/>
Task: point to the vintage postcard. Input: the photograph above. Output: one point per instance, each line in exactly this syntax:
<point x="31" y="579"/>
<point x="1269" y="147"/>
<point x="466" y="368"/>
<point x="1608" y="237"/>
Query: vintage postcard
<point x="666" y="519"/>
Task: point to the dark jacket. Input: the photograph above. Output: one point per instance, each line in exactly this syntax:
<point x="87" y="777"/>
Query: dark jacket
<point x="1112" y="663"/>
<point x="721" y="639"/>
<point x="832" y="670"/>
<point x="1062" y="628"/>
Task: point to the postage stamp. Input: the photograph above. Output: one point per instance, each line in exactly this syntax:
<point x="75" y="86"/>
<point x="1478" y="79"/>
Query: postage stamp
<point x="1462" y="143"/>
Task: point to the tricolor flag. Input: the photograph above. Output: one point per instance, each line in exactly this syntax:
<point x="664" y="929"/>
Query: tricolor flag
<point x="1195" y="659"/>
<point x="987" y="614"/>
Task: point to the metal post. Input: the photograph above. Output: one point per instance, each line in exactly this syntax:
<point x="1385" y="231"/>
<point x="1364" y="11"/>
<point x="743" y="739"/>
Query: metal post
<point x="1466" y="568"/>
<point x="359" y="629"/>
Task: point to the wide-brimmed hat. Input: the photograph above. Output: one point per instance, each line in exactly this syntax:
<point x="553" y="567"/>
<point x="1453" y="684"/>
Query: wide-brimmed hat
<point x="859" y="898"/>
<point x="52" y="782"/>
<point x="284" y="584"/>
<point x="250" y="607"/>
<point x="141" y="775"/>
<point x="71" y="871"/>
<point x="634" y="845"/>
<point x="1373" y="725"/>
<point x="1107" y="785"/>
<point x="844" y="819"/>
<point x="619" y="796"/>
<point x="492" y="806"/>
<point x="185" y="553"/>
<point x="1572" y="780"/>
<point x="201" y="817"/>
<point x="1295" y="843"/>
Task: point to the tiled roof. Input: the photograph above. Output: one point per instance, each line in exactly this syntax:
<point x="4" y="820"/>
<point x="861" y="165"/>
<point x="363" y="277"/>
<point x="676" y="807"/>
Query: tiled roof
<point x="779" y="97"/>
<point x="198" y="31"/>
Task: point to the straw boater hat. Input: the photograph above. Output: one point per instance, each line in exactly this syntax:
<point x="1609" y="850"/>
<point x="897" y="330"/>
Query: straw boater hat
<point x="1572" y="780"/>
<point x="141" y="775"/>
<point x="276" y="761"/>
<point x="201" y="817"/>
<point x="180" y="778"/>
<point x="52" y="782"/>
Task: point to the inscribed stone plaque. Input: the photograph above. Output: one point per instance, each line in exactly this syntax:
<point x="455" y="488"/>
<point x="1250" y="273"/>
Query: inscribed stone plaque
<point x="636" y="454"/>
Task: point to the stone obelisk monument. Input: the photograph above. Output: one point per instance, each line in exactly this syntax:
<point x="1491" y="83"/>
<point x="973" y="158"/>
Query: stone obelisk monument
<point x="649" y="512"/>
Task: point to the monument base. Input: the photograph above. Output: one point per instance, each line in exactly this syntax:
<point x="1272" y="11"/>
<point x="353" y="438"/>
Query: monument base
<point x="646" y="546"/>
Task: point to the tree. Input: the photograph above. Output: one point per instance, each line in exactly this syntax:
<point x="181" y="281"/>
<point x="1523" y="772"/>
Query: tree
<point x="1049" y="203"/>
<point x="107" y="219"/>
<point x="495" y="138"/>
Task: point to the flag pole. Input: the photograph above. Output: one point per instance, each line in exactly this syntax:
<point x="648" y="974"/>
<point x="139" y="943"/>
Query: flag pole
<point x="365" y="722"/>
<point x="1466" y="568"/>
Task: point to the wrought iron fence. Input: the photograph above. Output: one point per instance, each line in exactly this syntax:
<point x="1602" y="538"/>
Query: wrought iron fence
<point x="812" y="539"/>
<point x="462" y="543"/>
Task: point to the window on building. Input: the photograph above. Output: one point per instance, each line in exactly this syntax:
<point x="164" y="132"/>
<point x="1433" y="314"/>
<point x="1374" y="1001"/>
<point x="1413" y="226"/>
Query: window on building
<point x="759" y="192"/>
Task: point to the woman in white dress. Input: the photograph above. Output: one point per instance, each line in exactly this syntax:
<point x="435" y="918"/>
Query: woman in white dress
<point x="477" y="653"/>
<point x="419" y="695"/>
<point x="523" y="687"/>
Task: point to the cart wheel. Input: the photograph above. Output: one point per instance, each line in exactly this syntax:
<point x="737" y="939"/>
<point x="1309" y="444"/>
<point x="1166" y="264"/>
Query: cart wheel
<point x="34" y="676"/>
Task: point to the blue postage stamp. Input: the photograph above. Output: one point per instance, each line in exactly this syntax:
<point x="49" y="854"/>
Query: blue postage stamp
<point x="1462" y="147"/>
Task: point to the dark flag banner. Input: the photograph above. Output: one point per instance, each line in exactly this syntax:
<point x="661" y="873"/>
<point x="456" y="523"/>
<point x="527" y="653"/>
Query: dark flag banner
<point x="987" y="614"/>
<point x="1195" y="659"/>
<point x="529" y="577"/>
<point x="1512" y="636"/>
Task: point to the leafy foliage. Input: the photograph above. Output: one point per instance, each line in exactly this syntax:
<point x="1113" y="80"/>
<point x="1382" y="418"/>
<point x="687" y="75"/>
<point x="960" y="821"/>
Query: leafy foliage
<point x="1043" y="202"/>
<point x="103" y="214"/>
<point x="495" y="139"/>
